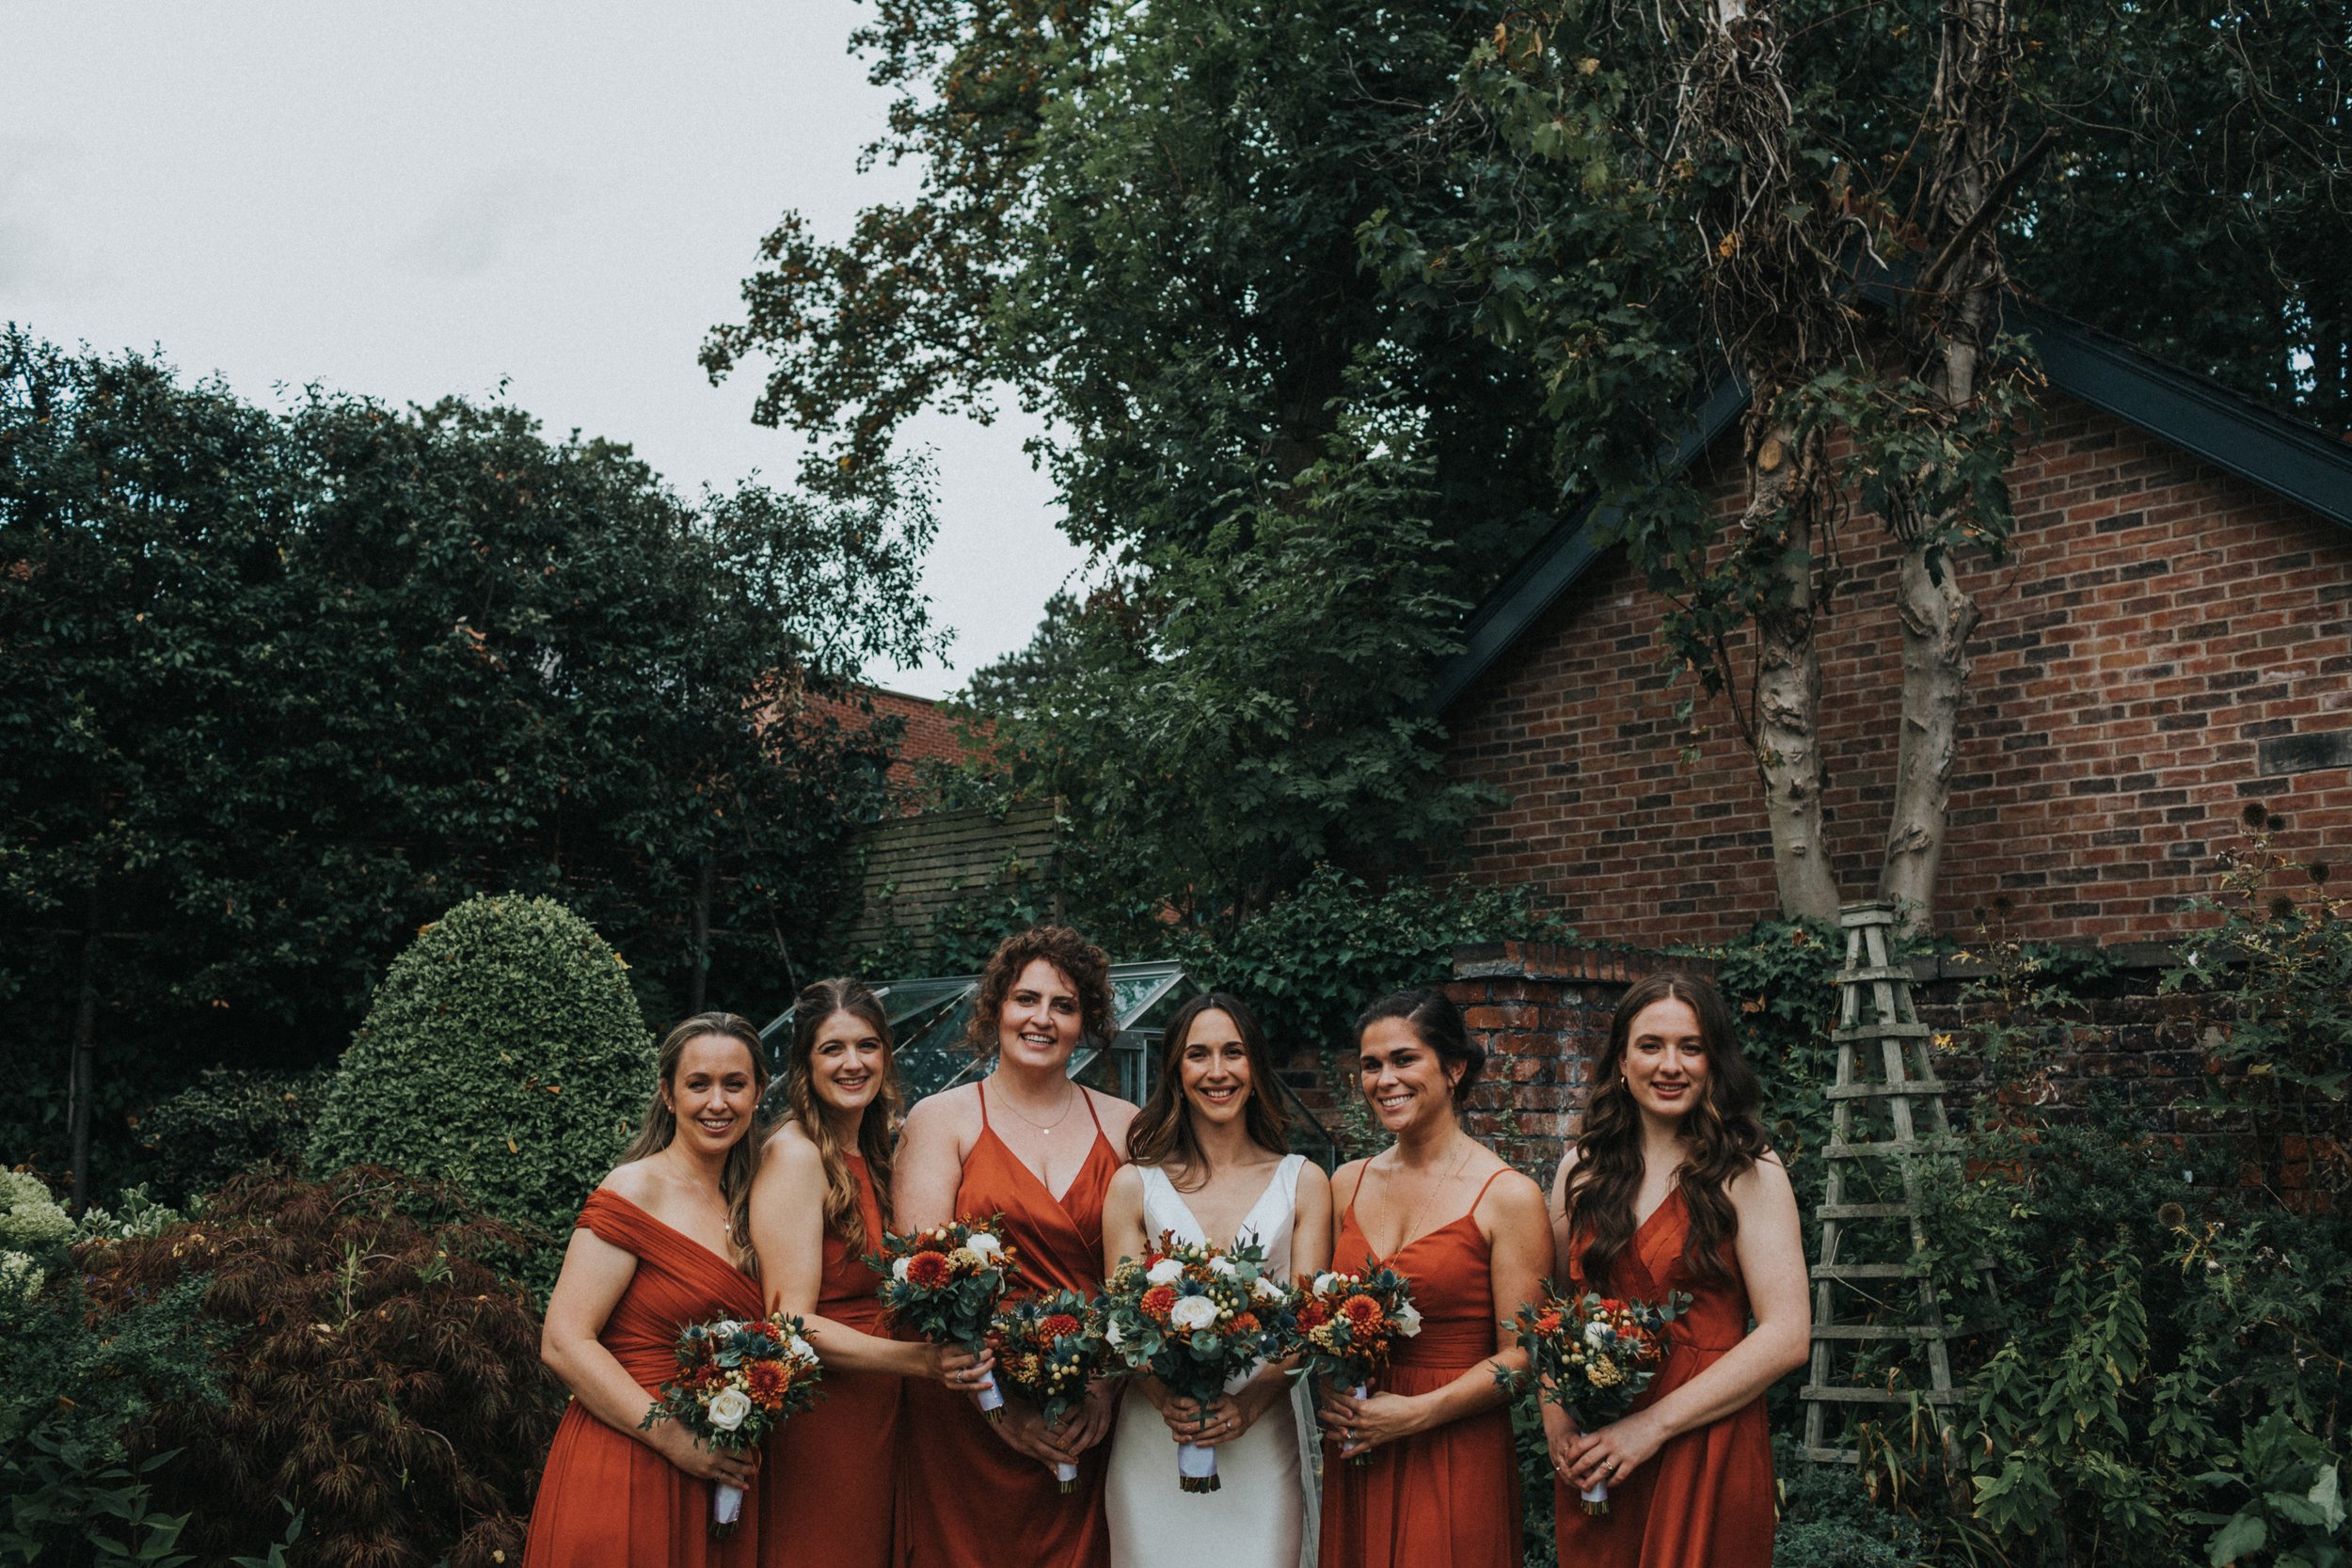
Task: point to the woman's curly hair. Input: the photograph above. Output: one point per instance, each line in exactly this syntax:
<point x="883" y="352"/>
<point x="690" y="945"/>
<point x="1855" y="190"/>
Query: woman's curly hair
<point x="1084" y="965"/>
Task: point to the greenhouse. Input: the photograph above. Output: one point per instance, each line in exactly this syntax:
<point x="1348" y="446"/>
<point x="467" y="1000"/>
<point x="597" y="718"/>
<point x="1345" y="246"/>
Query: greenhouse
<point x="928" y="1017"/>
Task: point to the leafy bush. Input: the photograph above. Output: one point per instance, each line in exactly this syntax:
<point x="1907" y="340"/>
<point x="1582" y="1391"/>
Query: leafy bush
<point x="503" y="1054"/>
<point x="1828" y="1518"/>
<point x="229" y="1119"/>
<point x="70" y="1387"/>
<point x="376" y="1373"/>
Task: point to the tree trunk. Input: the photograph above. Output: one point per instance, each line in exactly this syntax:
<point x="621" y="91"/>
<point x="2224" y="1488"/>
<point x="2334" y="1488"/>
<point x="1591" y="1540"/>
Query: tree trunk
<point x="1937" y="620"/>
<point x="698" y="988"/>
<point x="1788" y="684"/>
<point x="80" y="1075"/>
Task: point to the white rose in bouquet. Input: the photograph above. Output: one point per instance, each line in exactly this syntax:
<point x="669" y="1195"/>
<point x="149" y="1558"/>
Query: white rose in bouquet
<point x="1595" y="1334"/>
<point x="1266" y="1289"/>
<point x="1408" y="1320"/>
<point x="988" y="1246"/>
<point x="1224" y="1268"/>
<point x="724" y="1327"/>
<point x="1192" y="1313"/>
<point x="1325" y="1281"/>
<point x="1111" y="1332"/>
<point x="898" y="1269"/>
<point x="1167" y="1271"/>
<point x="728" y="1409"/>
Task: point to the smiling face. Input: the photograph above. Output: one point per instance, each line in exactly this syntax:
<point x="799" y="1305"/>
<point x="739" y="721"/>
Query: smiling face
<point x="1040" y="1021"/>
<point x="1404" y="1080"/>
<point x="1665" y="1059"/>
<point x="1215" y="1069"/>
<point x="713" y="1091"/>
<point x="846" y="1064"/>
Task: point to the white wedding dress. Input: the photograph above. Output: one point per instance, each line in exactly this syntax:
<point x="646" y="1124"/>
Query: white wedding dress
<point x="1264" y="1513"/>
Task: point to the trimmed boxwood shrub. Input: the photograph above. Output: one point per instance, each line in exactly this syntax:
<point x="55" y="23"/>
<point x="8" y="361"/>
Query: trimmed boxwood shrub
<point x="503" y="1054"/>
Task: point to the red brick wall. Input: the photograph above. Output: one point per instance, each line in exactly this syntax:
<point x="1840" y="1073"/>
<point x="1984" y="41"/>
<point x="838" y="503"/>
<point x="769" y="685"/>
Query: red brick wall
<point x="2158" y="620"/>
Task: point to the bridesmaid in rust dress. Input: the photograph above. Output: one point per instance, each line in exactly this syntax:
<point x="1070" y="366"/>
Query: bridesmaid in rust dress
<point x="1032" y="1146"/>
<point x="1670" y="1187"/>
<point x="658" y="1246"/>
<point x="828" y="1489"/>
<point x="1442" y="1482"/>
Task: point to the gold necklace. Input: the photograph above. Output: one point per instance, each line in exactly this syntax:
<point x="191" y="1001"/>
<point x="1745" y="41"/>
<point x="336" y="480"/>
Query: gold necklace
<point x="1068" y="1102"/>
<point x="1408" y="1238"/>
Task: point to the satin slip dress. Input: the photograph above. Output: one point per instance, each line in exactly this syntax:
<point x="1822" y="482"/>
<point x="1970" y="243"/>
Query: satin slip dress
<point x="829" y="1490"/>
<point x="1449" y="1495"/>
<point x="1706" y="1500"/>
<point x="1258" y="1516"/>
<point x="966" y="1500"/>
<point x="606" y="1499"/>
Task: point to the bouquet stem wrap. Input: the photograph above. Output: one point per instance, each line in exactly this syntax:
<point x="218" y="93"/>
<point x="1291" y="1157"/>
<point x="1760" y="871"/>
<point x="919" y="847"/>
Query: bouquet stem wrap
<point x="1196" y="1467"/>
<point x="1067" y="1474"/>
<point x="1596" y="1498"/>
<point x="726" y="1509"/>
<point x="1362" y="1391"/>
<point x="989" y="1397"/>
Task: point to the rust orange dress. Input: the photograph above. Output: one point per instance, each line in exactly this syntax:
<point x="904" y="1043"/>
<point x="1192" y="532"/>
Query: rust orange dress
<point x="1449" y="1495"/>
<point x="607" y="1500"/>
<point x="1706" y="1500"/>
<point x="967" y="1501"/>
<point x="829" y="1488"/>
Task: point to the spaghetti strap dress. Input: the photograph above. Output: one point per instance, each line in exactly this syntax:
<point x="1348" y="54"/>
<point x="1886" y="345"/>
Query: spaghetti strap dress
<point x="966" y="1500"/>
<point x="829" y="1488"/>
<point x="606" y="1500"/>
<point x="1707" y="1499"/>
<point x="1450" y="1494"/>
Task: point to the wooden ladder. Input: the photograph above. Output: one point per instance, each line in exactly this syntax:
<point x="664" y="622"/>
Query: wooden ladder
<point x="1869" y="1333"/>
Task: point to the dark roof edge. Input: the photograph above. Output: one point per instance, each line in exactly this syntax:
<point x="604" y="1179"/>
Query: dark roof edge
<point x="2201" y="416"/>
<point x="1548" y="570"/>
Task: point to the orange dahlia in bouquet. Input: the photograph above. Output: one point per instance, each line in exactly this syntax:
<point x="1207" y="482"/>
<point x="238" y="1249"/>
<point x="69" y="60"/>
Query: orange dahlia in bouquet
<point x="1348" y="1326"/>
<point x="946" y="1285"/>
<point x="1197" y="1318"/>
<point x="736" y="1383"/>
<point x="1592" y="1356"/>
<point x="1049" y="1350"/>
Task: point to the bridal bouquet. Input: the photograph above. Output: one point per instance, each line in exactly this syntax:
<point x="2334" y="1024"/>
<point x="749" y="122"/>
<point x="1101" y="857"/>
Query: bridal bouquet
<point x="736" y="1383"/>
<point x="1348" y="1326"/>
<point x="1592" y="1356"/>
<point x="945" y="1284"/>
<point x="1195" y="1317"/>
<point x="1048" y="1350"/>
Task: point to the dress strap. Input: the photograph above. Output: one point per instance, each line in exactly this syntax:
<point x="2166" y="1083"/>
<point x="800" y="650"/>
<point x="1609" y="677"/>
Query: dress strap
<point x="1472" y="1210"/>
<point x="981" y="1085"/>
<point x="1097" y="1120"/>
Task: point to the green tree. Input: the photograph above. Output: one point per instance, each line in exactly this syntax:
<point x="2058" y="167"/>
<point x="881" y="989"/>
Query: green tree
<point x="1141" y="219"/>
<point x="277" y="688"/>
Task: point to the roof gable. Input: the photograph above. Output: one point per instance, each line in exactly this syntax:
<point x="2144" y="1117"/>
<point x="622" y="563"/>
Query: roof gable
<point x="2202" y="419"/>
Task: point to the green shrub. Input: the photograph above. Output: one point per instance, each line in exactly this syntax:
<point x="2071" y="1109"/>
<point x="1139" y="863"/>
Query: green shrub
<point x="1828" y="1519"/>
<point x="374" y="1372"/>
<point x="228" y="1120"/>
<point x="502" y="1055"/>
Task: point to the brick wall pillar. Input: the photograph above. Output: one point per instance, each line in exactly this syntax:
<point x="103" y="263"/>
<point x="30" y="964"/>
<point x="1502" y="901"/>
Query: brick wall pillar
<point x="1541" y="1009"/>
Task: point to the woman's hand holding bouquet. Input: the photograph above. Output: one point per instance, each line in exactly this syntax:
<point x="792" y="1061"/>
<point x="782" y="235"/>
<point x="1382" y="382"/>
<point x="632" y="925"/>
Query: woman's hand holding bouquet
<point x="736" y="1383"/>
<point x="945" y="1284"/>
<point x="1348" y="1326"/>
<point x="1593" y="1355"/>
<point x="1195" y="1318"/>
<point x="1049" y="1351"/>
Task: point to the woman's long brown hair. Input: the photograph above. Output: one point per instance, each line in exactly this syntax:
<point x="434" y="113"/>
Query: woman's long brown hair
<point x="876" y="1131"/>
<point x="660" y="1125"/>
<point x="1162" y="1132"/>
<point x="1725" y="1134"/>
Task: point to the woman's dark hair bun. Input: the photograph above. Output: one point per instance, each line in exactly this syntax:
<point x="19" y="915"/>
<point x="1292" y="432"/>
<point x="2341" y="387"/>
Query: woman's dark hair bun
<point x="1438" y="1022"/>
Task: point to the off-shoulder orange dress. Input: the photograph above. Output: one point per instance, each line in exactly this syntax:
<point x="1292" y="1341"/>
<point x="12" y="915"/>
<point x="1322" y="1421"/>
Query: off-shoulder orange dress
<point x="828" y="1489"/>
<point x="1706" y="1500"/>
<point x="1451" y="1495"/>
<point x="607" y="1500"/>
<point x="966" y="1500"/>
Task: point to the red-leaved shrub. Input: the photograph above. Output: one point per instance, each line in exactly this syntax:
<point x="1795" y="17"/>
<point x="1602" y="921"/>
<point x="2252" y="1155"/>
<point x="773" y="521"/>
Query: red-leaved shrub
<point x="382" y="1376"/>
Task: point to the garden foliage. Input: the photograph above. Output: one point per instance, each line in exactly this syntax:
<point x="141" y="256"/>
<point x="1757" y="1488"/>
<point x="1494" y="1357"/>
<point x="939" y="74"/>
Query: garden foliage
<point x="372" y="1371"/>
<point x="228" y="1120"/>
<point x="504" y="1055"/>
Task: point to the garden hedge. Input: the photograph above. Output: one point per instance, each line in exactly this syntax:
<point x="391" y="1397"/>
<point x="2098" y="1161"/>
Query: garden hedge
<point x="503" y="1054"/>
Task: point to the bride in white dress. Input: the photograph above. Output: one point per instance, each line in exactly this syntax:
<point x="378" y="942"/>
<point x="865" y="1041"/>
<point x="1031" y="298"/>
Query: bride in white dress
<point x="1207" y="1163"/>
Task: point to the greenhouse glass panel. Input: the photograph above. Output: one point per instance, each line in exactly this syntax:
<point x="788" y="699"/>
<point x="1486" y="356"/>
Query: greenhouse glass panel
<point x="930" y="1016"/>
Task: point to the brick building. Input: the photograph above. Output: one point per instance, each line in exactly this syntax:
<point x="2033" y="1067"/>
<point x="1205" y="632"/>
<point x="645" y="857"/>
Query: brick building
<point x="2171" y="639"/>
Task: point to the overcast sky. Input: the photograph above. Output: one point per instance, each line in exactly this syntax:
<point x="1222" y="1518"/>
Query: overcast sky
<point x="416" y="199"/>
